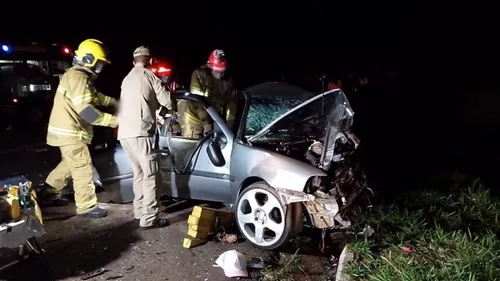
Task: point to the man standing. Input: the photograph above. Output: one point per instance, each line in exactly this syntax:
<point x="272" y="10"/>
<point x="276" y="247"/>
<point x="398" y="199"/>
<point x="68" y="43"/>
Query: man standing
<point x="210" y="81"/>
<point x="70" y="127"/>
<point x="141" y="96"/>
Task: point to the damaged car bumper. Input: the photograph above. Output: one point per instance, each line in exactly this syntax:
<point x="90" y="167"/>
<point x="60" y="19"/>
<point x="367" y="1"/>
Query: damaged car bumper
<point x="322" y="209"/>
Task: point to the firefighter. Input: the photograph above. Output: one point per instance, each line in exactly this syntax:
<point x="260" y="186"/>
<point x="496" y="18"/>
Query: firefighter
<point x="141" y="96"/>
<point x="73" y="115"/>
<point x="211" y="81"/>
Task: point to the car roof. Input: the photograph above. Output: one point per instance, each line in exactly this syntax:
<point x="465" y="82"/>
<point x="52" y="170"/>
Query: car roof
<point x="278" y="89"/>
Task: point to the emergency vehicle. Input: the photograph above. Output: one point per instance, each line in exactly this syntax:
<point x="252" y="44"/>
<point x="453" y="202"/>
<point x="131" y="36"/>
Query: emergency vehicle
<point x="29" y="74"/>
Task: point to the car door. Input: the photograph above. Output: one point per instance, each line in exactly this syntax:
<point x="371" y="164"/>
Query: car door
<point x="186" y="166"/>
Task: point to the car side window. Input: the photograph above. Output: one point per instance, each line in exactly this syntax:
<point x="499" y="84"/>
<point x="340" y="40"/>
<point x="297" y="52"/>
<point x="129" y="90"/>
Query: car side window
<point x="188" y="123"/>
<point x="186" y="134"/>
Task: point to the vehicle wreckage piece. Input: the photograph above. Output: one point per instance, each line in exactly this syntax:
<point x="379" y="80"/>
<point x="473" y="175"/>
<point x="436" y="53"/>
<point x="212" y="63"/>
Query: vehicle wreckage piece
<point x="322" y="209"/>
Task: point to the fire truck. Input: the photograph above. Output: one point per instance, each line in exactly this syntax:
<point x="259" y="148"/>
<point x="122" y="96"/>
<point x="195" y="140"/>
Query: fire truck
<point x="29" y="74"/>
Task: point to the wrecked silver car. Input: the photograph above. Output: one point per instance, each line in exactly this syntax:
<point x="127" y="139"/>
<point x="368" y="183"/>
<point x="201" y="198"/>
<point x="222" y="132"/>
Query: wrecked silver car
<point x="284" y="166"/>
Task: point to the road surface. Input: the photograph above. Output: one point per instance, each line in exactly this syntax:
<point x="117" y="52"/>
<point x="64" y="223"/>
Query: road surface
<point x="77" y="246"/>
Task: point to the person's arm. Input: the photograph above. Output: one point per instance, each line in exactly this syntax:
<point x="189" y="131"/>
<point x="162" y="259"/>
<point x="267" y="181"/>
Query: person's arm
<point x="81" y="95"/>
<point x="106" y="101"/>
<point x="162" y="94"/>
<point x="198" y="88"/>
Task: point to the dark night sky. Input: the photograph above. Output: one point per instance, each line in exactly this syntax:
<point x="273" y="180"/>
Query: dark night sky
<point x="442" y="55"/>
<point x="265" y="41"/>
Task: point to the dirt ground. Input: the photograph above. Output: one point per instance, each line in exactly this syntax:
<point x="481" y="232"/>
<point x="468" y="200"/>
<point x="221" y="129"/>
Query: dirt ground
<point x="76" y="246"/>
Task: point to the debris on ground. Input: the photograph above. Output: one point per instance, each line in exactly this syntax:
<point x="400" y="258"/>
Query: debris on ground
<point x="94" y="274"/>
<point x="114" y="277"/>
<point x="256" y="263"/>
<point x="226" y="238"/>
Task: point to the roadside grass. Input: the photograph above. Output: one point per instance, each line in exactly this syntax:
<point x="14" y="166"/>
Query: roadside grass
<point x="285" y="270"/>
<point x="449" y="233"/>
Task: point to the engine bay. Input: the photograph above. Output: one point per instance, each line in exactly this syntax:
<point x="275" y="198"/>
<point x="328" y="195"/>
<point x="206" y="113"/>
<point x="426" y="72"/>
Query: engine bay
<point x="305" y="141"/>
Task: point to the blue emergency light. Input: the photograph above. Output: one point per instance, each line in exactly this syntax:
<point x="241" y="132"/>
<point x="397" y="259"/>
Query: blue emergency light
<point x="6" y="48"/>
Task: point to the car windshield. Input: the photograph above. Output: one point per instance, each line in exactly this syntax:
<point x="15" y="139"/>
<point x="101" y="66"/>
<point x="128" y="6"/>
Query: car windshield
<point x="263" y="111"/>
<point x="268" y="101"/>
<point x="311" y="118"/>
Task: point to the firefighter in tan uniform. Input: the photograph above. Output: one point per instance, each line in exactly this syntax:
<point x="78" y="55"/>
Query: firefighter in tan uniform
<point x="141" y="96"/>
<point x="70" y="127"/>
<point x="210" y="81"/>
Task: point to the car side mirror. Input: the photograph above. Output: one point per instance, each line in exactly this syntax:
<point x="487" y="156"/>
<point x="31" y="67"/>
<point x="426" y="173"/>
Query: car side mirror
<point x="214" y="152"/>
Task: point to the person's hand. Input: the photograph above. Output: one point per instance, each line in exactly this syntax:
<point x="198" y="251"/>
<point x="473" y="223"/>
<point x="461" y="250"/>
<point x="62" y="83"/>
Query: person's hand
<point x="114" y="122"/>
<point x="207" y="129"/>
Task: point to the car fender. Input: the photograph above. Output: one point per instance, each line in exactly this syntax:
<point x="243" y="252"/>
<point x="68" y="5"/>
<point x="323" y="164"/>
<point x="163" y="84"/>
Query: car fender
<point x="282" y="172"/>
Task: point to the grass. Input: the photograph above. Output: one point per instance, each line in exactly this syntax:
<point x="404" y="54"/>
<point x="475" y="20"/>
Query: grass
<point x="285" y="270"/>
<point x="445" y="234"/>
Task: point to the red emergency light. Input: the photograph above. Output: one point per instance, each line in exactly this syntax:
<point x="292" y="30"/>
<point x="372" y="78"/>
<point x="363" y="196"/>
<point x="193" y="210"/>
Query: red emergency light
<point x="164" y="70"/>
<point x="66" y="50"/>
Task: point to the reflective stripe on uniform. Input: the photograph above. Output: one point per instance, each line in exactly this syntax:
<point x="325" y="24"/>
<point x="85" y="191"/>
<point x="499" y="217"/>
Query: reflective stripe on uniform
<point x="72" y="133"/>
<point x="83" y="98"/>
<point x="107" y="100"/>
<point x="105" y="121"/>
<point x="200" y="93"/>
<point x="61" y="89"/>
<point x="191" y="119"/>
<point x="87" y="207"/>
<point x="229" y="115"/>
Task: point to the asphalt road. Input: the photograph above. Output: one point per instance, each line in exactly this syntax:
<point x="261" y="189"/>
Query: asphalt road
<point x="78" y="246"/>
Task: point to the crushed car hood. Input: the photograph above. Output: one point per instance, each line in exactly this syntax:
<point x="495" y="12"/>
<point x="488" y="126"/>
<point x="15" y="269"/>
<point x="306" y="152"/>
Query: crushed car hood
<point x="314" y="116"/>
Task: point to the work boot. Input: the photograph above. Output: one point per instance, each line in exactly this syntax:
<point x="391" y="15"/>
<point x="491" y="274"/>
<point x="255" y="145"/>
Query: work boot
<point x="47" y="198"/>
<point x="97" y="213"/>
<point x="158" y="223"/>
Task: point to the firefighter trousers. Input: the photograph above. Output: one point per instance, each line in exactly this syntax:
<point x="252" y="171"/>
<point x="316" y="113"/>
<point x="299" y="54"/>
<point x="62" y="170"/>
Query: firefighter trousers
<point x="76" y="163"/>
<point x="144" y="162"/>
<point x="191" y="132"/>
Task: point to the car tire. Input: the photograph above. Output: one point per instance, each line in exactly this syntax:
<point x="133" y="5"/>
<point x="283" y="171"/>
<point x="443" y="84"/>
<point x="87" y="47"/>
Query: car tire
<point x="259" y="205"/>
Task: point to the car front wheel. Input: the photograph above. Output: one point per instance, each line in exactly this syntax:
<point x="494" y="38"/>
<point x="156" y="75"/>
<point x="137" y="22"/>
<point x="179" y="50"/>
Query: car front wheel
<point x="261" y="218"/>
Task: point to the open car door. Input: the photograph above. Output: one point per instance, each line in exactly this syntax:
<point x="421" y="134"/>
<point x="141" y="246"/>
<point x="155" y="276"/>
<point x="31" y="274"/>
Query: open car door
<point x="196" y="168"/>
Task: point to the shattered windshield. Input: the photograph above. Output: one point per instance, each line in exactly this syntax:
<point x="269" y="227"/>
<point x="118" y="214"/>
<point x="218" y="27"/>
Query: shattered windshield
<point x="311" y="118"/>
<point x="268" y="101"/>
<point x="263" y="111"/>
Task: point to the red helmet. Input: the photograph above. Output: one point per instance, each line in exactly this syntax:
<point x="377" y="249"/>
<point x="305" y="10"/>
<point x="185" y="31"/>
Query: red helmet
<point x="217" y="61"/>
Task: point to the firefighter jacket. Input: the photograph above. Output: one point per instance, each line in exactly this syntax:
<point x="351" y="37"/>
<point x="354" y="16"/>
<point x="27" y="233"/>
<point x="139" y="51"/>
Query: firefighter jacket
<point x="74" y="111"/>
<point x="219" y="93"/>
<point x="141" y="96"/>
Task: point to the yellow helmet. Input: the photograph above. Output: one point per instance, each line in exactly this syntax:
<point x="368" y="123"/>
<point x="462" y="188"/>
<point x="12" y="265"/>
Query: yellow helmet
<point x="92" y="51"/>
